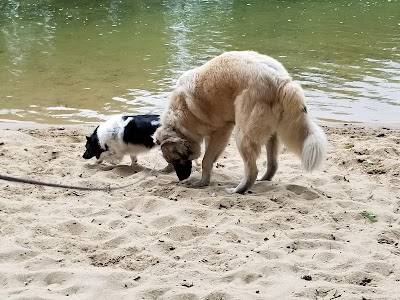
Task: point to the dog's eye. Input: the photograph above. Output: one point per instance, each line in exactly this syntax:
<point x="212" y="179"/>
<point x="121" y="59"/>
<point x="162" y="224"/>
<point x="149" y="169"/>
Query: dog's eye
<point x="158" y="142"/>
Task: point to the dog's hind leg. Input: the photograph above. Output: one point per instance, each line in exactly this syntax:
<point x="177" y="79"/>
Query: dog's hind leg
<point x="215" y="145"/>
<point x="272" y="146"/>
<point x="249" y="151"/>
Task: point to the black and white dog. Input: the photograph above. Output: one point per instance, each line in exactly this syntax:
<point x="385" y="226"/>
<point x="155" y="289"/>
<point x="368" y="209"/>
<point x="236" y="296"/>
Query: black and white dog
<point x="122" y="135"/>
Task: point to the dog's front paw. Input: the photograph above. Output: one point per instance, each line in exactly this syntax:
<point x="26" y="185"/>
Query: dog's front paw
<point x="200" y="183"/>
<point x="197" y="184"/>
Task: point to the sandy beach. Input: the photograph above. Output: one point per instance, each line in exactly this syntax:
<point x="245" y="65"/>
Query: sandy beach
<point x="331" y="234"/>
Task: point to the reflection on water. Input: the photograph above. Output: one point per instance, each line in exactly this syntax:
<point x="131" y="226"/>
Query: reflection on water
<point x="195" y="32"/>
<point x="80" y="61"/>
<point x="370" y="93"/>
<point x="22" y="37"/>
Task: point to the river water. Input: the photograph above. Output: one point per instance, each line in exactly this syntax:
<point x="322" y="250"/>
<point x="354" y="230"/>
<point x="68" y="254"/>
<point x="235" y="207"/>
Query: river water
<point x="73" y="61"/>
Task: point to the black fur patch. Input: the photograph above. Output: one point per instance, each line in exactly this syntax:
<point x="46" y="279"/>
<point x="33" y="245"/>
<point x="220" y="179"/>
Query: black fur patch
<point x="140" y="129"/>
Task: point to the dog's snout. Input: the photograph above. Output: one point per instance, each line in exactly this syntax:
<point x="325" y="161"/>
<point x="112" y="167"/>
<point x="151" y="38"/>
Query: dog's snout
<point x="183" y="169"/>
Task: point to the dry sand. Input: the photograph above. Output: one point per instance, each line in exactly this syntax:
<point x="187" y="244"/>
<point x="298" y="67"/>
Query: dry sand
<point x="301" y="236"/>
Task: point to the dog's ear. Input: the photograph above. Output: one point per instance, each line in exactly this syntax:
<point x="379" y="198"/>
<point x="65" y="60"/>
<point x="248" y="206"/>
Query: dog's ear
<point x="156" y="136"/>
<point x="187" y="151"/>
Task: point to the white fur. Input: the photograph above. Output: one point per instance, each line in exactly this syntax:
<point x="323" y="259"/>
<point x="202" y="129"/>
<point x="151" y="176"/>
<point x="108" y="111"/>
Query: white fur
<point x="154" y="123"/>
<point x="314" y="148"/>
<point x="111" y="133"/>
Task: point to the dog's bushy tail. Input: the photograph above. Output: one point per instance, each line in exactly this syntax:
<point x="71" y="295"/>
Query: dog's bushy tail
<point x="298" y="130"/>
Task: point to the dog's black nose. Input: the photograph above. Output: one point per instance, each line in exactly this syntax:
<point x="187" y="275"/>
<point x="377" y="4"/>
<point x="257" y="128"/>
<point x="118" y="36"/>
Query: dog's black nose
<point x="183" y="170"/>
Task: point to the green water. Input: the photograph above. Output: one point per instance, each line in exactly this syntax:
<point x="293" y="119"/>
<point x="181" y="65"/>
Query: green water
<point x="70" y="61"/>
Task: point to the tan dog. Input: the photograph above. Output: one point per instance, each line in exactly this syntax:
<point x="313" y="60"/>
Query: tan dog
<point x="246" y="90"/>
